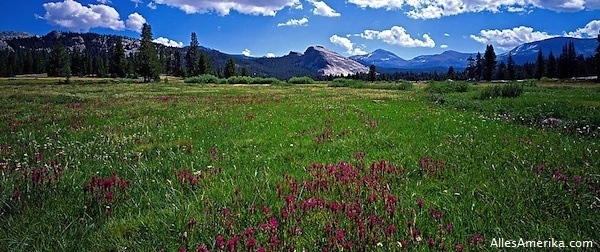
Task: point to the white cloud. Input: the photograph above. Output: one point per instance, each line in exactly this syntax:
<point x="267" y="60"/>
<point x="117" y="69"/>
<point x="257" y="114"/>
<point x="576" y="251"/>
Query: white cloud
<point x="397" y="36"/>
<point x="347" y="44"/>
<point x="590" y="30"/>
<point x="74" y="16"/>
<point x="270" y="55"/>
<point x="246" y="52"/>
<point x="135" y="22"/>
<point x="429" y="9"/>
<point x="294" y="22"/>
<point x="104" y="1"/>
<point x="447" y="34"/>
<point x="137" y="2"/>
<point x="253" y="7"/>
<point x="509" y="38"/>
<point x="298" y="6"/>
<point x="151" y="5"/>
<point x="322" y="9"/>
<point x="168" y="42"/>
<point x="444" y="46"/>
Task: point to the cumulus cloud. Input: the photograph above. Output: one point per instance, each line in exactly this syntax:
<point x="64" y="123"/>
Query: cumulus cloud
<point x="397" y="36"/>
<point x="509" y="38"/>
<point x="253" y="7"/>
<point x="347" y="44"/>
<point x="135" y="22"/>
<point x="429" y="9"/>
<point x="589" y="31"/>
<point x="447" y="34"/>
<point x="270" y="55"/>
<point x="294" y="22"/>
<point x="74" y="16"/>
<point x="104" y="1"/>
<point x="246" y="52"/>
<point x="168" y="42"/>
<point x="322" y="9"/>
<point x="151" y="5"/>
<point x="444" y="46"/>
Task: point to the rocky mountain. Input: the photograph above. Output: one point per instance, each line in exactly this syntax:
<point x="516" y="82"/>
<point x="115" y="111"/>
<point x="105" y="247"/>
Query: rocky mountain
<point x="326" y="62"/>
<point x="384" y="59"/>
<point x="528" y="52"/>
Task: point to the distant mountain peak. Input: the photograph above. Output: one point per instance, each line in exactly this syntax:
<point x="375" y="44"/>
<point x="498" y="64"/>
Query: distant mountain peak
<point x="528" y="52"/>
<point x="326" y="62"/>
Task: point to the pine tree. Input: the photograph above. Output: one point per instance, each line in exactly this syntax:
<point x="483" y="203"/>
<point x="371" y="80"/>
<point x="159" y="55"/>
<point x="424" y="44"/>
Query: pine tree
<point x="478" y="66"/>
<point x="177" y="67"/>
<point x="510" y="67"/>
<point x="148" y="65"/>
<point x="489" y="63"/>
<point x="597" y="58"/>
<point x="450" y="74"/>
<point x="192" y="57"/>
<point x="551" y="66"/>
<point x="230" y="68"/>
<point x="59" y="63"/>
<point x="245" y="71"/>
<point x="470" y="68"/>
<point x="372" y="73"/>
<point x="204" y="64"/>
<point x="540" y="63"/>
<point x="501" y="74"/>
<point x="118" y="62"/>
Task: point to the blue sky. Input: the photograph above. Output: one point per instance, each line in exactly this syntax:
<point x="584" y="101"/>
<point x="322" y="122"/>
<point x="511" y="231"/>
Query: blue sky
<point x="408" y="28"/>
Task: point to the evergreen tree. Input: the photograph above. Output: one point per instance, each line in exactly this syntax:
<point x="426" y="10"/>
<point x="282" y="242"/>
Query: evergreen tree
<point x="450" y="74"/>
<point x="205" y="64"/>
<point x="567" y="61"/>
<point x="540" y="63"/>
<point x="230" y="68"/>
<point x="245" y="71"/>
<point x="478" y="66"/>
<point x="3" y="63"/>
<point x="118" y="62"/>
<point x="597" y="59"/>
<point x="148" y="65"/>
<point x="177" y="67"/>
<point x="489" y="63"/>
<point x="471" y="68"/>
<point x="192" y="57"/>
<point x="501" y="74"/>
<point x="59" y="63"/>
<point x="372" y="73"/>
<point x="551" y="66"/>
<point x="510" y="67"/>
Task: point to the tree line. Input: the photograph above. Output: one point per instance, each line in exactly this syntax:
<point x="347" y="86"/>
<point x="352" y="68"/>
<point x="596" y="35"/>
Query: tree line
<point x="148" y="62"/>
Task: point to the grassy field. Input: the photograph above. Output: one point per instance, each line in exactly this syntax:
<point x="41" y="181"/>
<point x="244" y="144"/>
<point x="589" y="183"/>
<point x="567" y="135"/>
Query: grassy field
<point x="101" y="166"/>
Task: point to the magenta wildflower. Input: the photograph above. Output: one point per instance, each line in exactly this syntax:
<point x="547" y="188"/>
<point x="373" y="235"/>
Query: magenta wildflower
<point x="449" y="227"/>
<point x="220" y="242"/>
<point x="251" y="243"/>
<point x="420" y="202"/>
<point x="192" y="223"/>
<point x="182" y="249"/>
<point x="415" y="232"/>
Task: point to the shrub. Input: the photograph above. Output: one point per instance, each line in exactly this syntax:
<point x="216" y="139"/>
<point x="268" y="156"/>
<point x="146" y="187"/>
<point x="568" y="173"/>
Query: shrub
<point x="202" y="79"/>
<point x="342" y="82"/>
<point x="447" y="87"/>
<point x="239" y="80"/>
<point x="301" y="80"/>
<point x="260" y="80"/>
<point x="507" y="91"/>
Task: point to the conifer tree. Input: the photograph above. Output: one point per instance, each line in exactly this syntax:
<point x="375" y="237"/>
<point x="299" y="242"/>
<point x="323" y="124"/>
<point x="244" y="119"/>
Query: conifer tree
<point x="372" y="73"/>
<point x="59" y="63"/>
<point x="551" y="66"/>
<point x="597" y="58"/>
<point x="230" y="68"/>
<point x="192" y="57"/>
<point x="148" y="65"/>
<point x="478" y="66"/>
<point x="118" y="62"/>
<point x="489" y="59"/>
<point x="540" y="63"/>
<point x="510" y="67"/>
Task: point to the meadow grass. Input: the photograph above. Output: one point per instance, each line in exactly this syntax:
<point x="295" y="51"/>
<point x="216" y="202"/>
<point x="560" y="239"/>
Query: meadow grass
<point x="145" y="167"/>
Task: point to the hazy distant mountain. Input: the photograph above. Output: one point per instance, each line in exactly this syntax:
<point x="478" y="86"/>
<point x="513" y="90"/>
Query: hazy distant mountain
<point x="528" y="52"/>
<point x="7" y="35"/>
<point x="381" y="58"/>
<point x="384" y="59"/>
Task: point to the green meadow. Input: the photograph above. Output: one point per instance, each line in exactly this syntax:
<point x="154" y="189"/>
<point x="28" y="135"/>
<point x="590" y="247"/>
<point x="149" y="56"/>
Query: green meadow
<point x="103" y="165"/>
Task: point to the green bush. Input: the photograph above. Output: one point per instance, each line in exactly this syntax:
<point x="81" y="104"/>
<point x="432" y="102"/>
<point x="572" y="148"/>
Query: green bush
<point x="507" y="91"/>
<point x="202" y="79"/>
<point x="301" y="80"/>
<point x="260" y="80"/>
<point x="343" y="82"/>
<point x="447" y="87"/>
<point x="239" y="80"/>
